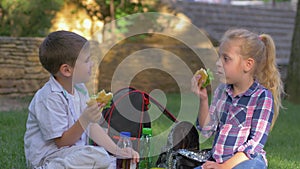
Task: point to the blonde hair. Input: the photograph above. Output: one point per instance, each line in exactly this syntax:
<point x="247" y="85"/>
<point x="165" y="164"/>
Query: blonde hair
<point x="262" y="49"/>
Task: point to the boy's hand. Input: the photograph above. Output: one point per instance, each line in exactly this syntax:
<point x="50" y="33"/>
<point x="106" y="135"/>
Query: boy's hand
<point x="129" y="153"/>
<point x="92" y="114"/>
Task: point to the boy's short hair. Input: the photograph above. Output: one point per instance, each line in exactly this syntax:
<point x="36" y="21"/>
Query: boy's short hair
<point x="60" y="47"/>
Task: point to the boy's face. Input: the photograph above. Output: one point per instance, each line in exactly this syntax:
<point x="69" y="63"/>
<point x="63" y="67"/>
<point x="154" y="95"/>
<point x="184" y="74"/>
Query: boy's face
<point x="83" y="67"/>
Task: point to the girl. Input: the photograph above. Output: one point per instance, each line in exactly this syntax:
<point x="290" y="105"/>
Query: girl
<point x="246" y="106"/>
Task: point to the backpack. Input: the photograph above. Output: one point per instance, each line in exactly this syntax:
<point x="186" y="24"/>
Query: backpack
<point x="182" y="150"/>
<point x="129" y="112"/>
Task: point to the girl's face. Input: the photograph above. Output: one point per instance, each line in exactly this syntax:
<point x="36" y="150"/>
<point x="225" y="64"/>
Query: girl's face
<point x="230" y="62"/>
<point x="83" y="68"/>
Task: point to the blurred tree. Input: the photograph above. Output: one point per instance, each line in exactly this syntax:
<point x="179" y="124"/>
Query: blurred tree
<point x="293" y="77"/>
<point x="109" y="10"/>
<point x="27" y="18"/>
<point x="33" y="18"/>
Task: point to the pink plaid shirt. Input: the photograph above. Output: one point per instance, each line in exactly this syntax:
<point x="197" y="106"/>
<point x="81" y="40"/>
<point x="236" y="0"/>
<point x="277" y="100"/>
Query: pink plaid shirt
<point x="240" y="123"/>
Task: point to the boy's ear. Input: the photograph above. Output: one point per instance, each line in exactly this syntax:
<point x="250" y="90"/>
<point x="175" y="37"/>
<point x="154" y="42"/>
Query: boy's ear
<point x="66" y="70"/>
<point x="249" y="64"/>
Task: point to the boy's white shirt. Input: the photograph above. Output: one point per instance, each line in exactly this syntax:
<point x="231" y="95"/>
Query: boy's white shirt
<point x="75" y="107"/>
<point x="43" y="127"/>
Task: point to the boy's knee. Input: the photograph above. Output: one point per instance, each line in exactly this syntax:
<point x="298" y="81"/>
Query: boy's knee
<point x="100" y="156"/>
<point x="79" y="157"/>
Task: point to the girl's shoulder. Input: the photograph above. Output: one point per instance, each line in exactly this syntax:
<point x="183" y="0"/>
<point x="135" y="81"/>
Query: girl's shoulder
<point x="262" y="92"/>
<point x="221" y="88"/>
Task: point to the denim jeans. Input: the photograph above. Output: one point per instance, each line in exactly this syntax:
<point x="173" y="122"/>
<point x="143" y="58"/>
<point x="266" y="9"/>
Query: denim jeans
<point x="256" y="163"/>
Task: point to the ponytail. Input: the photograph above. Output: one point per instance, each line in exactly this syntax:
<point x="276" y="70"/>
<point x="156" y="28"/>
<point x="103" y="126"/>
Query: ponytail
<point x="262" y="49"/>
<point x="268" y="74"/>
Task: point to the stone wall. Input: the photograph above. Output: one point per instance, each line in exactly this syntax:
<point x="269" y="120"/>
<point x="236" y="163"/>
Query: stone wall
<point x="21" y="73"/>
<point x="157" y="62"/>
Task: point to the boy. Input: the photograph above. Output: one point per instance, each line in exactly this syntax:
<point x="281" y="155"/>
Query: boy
<point x="59" y="119"/>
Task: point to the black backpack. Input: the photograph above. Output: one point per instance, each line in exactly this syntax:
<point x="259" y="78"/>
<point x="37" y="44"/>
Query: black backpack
<point x="182" y="150"/>
<point x="129" y="112"/>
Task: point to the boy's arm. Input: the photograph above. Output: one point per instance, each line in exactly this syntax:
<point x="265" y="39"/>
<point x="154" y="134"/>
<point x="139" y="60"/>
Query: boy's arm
<point x="73" y="134"/>
<point x="99" y="136"/>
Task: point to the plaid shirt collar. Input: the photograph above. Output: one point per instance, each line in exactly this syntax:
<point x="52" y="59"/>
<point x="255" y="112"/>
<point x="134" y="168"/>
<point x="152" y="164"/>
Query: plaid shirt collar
<point x="249" y="92"/>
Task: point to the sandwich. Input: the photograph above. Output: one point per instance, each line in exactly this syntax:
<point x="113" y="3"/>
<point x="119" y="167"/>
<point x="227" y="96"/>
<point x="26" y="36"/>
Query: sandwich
<point x="101" y="97"/>
<point x="206" y="77"/>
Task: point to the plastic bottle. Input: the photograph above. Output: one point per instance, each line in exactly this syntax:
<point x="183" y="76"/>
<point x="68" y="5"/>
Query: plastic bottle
<point x="123" y="162"/>
<point x="145" y="141"/>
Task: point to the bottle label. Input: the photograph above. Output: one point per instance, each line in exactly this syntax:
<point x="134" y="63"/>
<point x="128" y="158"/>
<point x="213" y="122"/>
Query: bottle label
<point x="125" y="164"/>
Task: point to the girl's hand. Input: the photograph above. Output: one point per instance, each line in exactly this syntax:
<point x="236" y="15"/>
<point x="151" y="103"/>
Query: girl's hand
<point x="197" y="89"/>
<point x="212" y="165"/>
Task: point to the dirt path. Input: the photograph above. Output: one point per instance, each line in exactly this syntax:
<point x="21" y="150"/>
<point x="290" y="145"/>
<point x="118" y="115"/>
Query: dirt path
<point x="9" y="103"/>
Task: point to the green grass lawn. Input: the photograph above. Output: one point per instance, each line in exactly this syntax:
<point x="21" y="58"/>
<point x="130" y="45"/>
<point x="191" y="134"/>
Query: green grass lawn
<point x="283" y="148"/>
<point x="12" y="128"/>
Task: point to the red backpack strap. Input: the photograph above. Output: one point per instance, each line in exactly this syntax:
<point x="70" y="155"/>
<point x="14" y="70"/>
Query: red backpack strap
<point x="163" y="109"/>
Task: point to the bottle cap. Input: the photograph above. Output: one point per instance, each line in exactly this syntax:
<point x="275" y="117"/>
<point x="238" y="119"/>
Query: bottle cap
<point x="125" y="134"/>
<point x="147" y="131"/>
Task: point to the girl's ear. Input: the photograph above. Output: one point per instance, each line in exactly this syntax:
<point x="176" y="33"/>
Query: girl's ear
<point x="66" y="70"/>
<point x="249" y="64"/>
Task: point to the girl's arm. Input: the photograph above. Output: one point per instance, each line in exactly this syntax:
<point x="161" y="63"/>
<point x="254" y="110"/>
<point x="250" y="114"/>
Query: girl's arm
<point x="235" y="160"/>
<point x="229" y="164"/>
<point x="203" y="114"/>
<point x="260" y="127"/>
